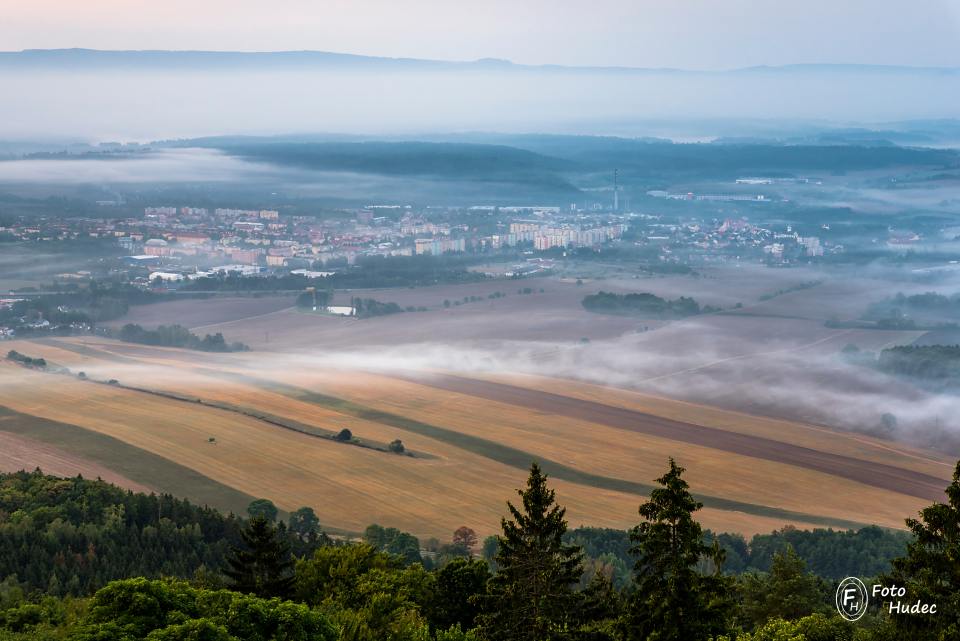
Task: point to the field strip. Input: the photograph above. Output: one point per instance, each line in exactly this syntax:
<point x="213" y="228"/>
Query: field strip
<point x="265" y="417"/>
<point x="510" y="456"/>
<point x="726" y="420"/>
<point x="22" y="453"/>
<point x="240" y="320"/>
<point x="513" y="457"/>
<point x="800" y="433"/>
<point x="134" y="463"/>
<point x="878" y="475"/>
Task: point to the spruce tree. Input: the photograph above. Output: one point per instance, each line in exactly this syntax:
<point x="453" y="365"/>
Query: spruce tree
<point x="788" y="591"/>
<point x="265" y="567"/>
<point x="532" y="598"/>
<point x="672" y="601"/>
<point x="930" y="571"/>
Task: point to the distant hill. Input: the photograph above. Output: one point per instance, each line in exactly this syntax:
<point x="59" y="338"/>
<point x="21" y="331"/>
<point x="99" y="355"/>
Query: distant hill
<point x="551" y="160"/>
<point x="96" y="59"/>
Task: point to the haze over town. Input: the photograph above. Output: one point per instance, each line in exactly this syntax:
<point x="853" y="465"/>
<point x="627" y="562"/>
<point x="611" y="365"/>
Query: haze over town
<point x="312" y="288"/>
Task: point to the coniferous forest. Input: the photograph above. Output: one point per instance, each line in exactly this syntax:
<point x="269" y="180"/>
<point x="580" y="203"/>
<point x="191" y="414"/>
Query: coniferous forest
<point x="84" y="560"/>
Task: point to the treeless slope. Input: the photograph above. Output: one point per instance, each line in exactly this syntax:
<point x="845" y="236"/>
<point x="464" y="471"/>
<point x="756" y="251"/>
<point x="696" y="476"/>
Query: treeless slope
<point x="348" y="486"/>
<point x="21" y="453"/>
<point x="880" y="475"/>
<point x="804" y="434"/>
<point x="597" y="457"/>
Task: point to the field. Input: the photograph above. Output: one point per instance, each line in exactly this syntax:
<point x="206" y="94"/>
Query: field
<point x="774" y="426"/>
<point x="471" y="436"/>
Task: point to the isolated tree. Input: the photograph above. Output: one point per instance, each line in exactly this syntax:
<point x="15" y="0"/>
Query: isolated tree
<point x="465" y="537"/>
<point x="263" y="566"/>
<point x="531" y="598"/>
<point x="263" y="508"/>
<point x="344" y="435"/>
<point x="672" y="600"/>
<point x="888" y="422"/>
<point x="304" y="523"/>
<point x="930" y="571"/>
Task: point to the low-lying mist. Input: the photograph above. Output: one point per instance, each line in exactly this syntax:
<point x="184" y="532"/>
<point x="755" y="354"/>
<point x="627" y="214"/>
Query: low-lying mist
<point x="781" y="380"/>
<point x="149" y="104"/>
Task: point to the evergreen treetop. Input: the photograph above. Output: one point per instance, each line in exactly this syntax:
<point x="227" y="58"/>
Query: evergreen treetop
<point x="532" y="598"/>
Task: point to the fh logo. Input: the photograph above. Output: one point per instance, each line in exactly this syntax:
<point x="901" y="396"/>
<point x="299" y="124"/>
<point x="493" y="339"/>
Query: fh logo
<point x="852" y="598"/>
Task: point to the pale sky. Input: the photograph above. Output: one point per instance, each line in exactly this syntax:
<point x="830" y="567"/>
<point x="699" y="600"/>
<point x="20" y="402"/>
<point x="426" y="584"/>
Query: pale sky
<point x="698" y="34"/>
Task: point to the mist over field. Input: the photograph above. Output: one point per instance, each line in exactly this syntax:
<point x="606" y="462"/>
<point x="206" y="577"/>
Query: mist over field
<point x="362" y="320"/>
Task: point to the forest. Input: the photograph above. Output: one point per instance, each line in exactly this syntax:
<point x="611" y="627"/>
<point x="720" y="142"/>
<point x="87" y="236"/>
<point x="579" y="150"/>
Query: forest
<point x="87" y="560"/>
<point x="928" y="362"/>
<point x="176" y="336"/>
<point x="643" y="304"/>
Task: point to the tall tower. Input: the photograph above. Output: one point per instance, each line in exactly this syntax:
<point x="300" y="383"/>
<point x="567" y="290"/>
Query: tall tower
<point x="616" y="190"/>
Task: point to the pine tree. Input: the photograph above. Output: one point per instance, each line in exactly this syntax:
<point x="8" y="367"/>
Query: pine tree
<point x="531" y="598"/>
<point x="672" y="601"/>
<point x="788" y="592"/>
<point x="265" y="567"/>
<point x="930" y="571"/>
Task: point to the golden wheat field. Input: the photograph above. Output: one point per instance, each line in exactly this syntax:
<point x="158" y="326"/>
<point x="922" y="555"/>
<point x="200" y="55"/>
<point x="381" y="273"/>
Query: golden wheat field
<point x="470" y="450"/>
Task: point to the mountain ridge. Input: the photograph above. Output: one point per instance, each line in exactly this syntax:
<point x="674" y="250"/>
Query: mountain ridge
<point x="306" y="57"/>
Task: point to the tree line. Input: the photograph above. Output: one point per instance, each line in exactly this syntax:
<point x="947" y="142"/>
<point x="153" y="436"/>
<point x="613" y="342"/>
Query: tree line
<point x="269" y="586"/>
<point x="176" y="336"/>
<point x="645" y="304"/>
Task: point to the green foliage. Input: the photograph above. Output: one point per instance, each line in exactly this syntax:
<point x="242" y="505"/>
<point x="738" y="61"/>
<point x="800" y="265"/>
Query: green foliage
<point x="601" y="605"/>
<point x="263" y="508"/>
<point x="368" y="307"/>
<point x="177" y="336"/>
<point x="829" y="553"/>
<point x="63" y="536"/>
<point x="193" y="630"/>
<point x="642" y="304"/>
<point x="931" y="362"/>
<point x="816" y="627"/>
<point x="333" y="574"/>
<point x="531" y="597"/>
<point x="17" y="357"/>
<point x="319" y="298"/>
<point x="263" y="565"/>
<point x="304" y="523"/>
<point x="72" y="536"/>
<point x="788" y="591"/>
<point x="369" y="593"/>
<point x="930" y="570"/>
<point x="459" y="587"/>
<point x="393" y="541"/>
<point x="138" y="608"/>
<point x="98" y="302"/>
<point x="672" y="600"/>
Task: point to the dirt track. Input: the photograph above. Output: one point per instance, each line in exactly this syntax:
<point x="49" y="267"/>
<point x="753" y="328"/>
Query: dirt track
<point x="877" y="475"/>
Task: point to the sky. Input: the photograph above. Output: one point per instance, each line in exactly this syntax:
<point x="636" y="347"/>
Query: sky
<point x="692" y="34"/>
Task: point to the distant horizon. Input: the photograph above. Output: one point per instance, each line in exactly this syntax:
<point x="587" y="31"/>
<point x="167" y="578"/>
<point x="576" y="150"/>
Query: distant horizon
<point x="487" y="59"/>
<point x="649" y="34"/>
